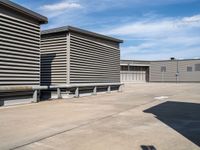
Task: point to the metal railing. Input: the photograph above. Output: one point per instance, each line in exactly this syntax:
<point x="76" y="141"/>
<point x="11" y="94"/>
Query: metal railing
<point x="77" y="87"/>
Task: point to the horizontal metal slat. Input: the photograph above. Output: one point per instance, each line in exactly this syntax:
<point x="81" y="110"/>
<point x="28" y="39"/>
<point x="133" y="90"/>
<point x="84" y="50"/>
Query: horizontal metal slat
<point x="17" y="79"/>
<point x="17" y="71"/>
<point x="52" y="39"/>
<point x="4" y="59"/>
<point x="19" y="42"/>
<point x="3" y="83"/>
<point x="94" y="57"/>
<point x="55" y="47"/>
<point x="19" y="35"/>
<point x="91" y="47"/>
<point x="19" y="46"/>
<point x="19" y="20"/>
<point x="22" y="58"/>
<point x="10" y="21"/>
<point x="20" y="32"/>
<point x="92" y="42"/>
<point x="92" y="62"/>
<point x="19" y="28"/>
<point x="53" y="44"/>
<point x="15" y="65"/>
<point x="20" y="53"/>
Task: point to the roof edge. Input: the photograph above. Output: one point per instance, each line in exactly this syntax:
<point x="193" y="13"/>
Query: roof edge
<point x="21" y="9"/>
<point x="75" y="29"/>
<point x="164" y="60"/>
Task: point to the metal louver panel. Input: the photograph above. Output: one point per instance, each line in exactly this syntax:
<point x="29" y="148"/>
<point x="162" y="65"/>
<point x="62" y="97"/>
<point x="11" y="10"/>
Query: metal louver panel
<point x="53" y="60"/>
<point x="20" y="54"/>
<point x="92" y="61"/>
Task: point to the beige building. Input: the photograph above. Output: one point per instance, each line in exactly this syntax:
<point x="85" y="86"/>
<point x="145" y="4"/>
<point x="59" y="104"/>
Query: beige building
<point x="187" y="70"/>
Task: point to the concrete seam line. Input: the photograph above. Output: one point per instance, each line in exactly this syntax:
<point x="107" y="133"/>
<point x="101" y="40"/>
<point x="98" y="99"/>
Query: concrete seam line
<point x="82" y="125"/>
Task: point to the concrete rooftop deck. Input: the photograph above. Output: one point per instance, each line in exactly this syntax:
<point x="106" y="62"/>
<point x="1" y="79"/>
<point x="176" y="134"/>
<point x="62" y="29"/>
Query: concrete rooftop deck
<point x="135" y="119"/>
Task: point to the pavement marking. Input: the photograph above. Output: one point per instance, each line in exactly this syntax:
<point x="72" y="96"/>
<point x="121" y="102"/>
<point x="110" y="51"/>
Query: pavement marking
<point x="161" y="97"/>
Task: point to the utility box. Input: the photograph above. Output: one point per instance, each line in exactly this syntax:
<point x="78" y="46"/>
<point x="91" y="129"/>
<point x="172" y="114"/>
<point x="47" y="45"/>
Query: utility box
<point x="71" y="55"/>
<point x="19" y="48"/>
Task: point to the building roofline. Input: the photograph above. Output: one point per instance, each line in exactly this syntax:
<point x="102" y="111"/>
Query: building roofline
<point x="135" y="60"/>
<point x="21" y="9"/>
<point x="70" y="28"/>
<point x="159" y="60"/>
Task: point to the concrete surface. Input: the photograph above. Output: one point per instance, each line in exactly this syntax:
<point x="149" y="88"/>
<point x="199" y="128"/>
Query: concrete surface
<point x="153" y="116"/>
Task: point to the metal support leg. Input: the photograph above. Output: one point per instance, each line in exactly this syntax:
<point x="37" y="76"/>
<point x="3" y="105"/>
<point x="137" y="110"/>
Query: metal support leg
<point x="59" y="93"/>
<point x="109" y="89"/>
<point x="77" y="92"/>
<point x="35" y="96"/>
<point x="95" y="91"/>
<point x="120" y="88"/>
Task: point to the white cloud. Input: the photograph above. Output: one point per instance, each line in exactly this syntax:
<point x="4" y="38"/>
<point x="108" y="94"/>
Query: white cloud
<point x="60" y="6"/>
<point x="179" y="47"/>
<point x="195" y="18"/>
<point x="156" y="28"/>
<point x="164" y="38"/>
<point x="150" y="37"/>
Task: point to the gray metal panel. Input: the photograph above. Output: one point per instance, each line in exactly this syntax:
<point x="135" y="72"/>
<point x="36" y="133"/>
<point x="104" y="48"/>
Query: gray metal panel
<point x="176" y="70"/>
<point x="20" y="54"/>
<point x="173" y="67"/>
<point x="184" y="76"/>
<point x="87" y="58"/>
<point x="92" y="61"/>
<point x="169" y="76"/>
<point x="54" y="59"/>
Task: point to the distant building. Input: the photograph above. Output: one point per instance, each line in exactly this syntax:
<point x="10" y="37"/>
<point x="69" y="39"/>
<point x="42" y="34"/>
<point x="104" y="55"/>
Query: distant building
<point x="173" y="70"/>
<point x="134" y="71"/>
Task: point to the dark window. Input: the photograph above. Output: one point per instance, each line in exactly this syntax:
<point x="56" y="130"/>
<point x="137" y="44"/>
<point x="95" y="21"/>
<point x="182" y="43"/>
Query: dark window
<point x="163" y="69"/>
<point x="189" y="69"/>
<point x="197" y="67"/>
<point x="124" y="68"/>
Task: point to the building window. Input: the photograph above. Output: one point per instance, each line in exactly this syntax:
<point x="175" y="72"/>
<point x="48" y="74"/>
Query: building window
<point x="163" y="69"/>
<point x="189" y="69"/>
<point x="197" y="67"/>
<point x="124" y="68"/>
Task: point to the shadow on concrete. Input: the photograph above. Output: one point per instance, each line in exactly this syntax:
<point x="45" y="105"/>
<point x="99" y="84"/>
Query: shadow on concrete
<point x="182" y="117"/>
<point x="148" y="147"/>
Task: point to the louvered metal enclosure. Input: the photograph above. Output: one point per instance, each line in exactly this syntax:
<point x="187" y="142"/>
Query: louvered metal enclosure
<point x="71" y="55"/>
<point x="19" y="48"/>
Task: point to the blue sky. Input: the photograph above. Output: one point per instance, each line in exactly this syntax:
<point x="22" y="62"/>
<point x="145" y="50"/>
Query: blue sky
<point x="151" y="29"/>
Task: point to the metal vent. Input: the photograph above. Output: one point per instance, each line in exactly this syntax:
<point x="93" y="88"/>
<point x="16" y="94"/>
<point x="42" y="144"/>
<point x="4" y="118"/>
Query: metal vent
<point x="19" y="52"/>
<point x="53" y="60"/>
<point x="197" y="67"/>
<point x="189" y="69"/>
<point x="92" y="61"/>
<point x="163" y="69"/>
